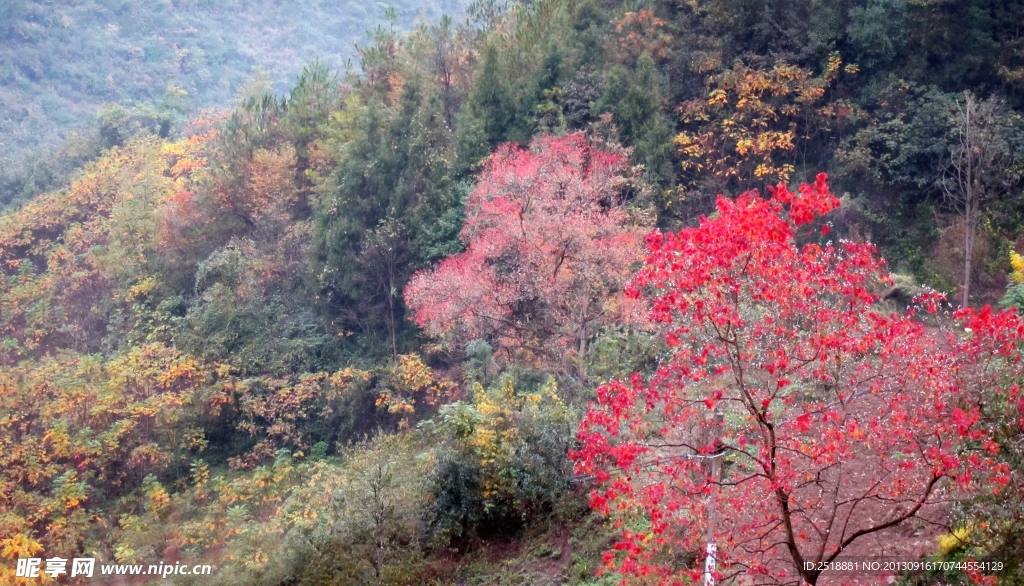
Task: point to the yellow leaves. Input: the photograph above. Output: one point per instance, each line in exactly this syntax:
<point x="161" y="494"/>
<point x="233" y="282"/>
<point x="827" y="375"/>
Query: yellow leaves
<point x="684" y="139"/>
<point x="489" y="409"/>
<point x="950" y="542"/>
<point x="200" y="473"/>
<point x="550" y="392"/>
<point x="1017" y="264"/>
<point x="148" y="456"/>
<point x="834" y="62"/>
<point x="343" y="378"/>
<point x="277" y="408"/>
<point x="394" y="404"/>
<point x="19" y="546"/>
<point x="495" y="428"/>
<point x="835" y="65"/>
<point x="344" y="123"/>
<point x="78" y="241"/>
<point x="88" y="414"/>
<point x="223" y="370"/>
<point x="174" y="149"/>
<point x="483" y="437"/>
<point x="408" y="382"/>
<point x="271" y="185"/>
<point x="57" y="440"/>
<point x="187" y="158"/>
<point x="720" y="96"/>
<point x="181" y="370"/>
<point x="749" y="119"/>
<point x="141" y="289"/>
<point x="413" y="374"/>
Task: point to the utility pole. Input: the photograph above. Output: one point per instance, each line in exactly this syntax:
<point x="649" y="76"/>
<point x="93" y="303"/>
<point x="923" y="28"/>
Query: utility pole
<point x="714" y="480"/>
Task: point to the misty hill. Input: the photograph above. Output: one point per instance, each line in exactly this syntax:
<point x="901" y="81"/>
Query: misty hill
<point x="61" y="61"/>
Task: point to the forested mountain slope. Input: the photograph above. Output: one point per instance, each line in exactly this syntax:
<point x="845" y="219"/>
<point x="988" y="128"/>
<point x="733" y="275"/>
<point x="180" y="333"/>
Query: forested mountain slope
<point x="482" y="309"/>
<point x="62" y="62"/>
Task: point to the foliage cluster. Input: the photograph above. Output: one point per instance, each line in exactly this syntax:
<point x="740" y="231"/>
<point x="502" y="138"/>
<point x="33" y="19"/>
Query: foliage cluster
<point x="807" y="420"/>
<point x="502" y="459"/>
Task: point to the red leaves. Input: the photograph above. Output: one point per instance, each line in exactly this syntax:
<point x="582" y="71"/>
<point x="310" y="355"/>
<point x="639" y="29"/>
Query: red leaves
<point x="813" y="200"/>
<point x="803" y="422"/>
<point x="548" y="251"/>
<point x="964" y="420"/>
<point x="837" y="414"/>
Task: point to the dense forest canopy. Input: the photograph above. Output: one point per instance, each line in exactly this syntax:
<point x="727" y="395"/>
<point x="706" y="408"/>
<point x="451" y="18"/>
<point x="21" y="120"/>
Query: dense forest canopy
<point x="547" y="292"/>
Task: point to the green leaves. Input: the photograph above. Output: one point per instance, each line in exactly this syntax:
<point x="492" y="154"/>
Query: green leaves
<point x="502" y="456"/>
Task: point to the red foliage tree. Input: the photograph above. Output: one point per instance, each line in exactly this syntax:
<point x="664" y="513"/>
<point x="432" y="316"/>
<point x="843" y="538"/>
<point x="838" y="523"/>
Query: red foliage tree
<point x="837" y="422"/>
<point x="549" y="247"/>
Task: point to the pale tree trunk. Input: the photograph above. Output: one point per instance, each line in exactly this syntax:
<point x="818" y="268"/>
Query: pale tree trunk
<point x="971" y="193"/>
<point x="715" y="479"/>
<point x="980" y="168"/>
<point x="381" y="255"/>
<point x="392" y="322"/>
<point x="961" y="185"/>
<point x="581" y="361"/>
<point x="581" y="355"/>
<point x="970" y="232"/>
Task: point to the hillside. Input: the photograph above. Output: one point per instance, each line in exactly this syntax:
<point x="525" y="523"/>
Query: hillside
<point x="61" y="63"/>
<point x="550" y="294"/>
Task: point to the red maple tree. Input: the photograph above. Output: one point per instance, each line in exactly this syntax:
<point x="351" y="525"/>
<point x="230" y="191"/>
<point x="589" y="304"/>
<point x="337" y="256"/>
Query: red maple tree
<point x="549" y="248"/>
<point x="834" y="422"/>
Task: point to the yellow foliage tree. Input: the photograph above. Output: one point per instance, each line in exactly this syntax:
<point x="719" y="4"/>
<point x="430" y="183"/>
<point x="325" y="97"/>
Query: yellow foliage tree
<point x="747" y="130"/>
<point x="77" y="432"/>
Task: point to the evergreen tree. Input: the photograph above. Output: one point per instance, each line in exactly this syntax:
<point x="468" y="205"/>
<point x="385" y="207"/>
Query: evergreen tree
<point x="635" y="100"/>
<point x="490" y="102"/>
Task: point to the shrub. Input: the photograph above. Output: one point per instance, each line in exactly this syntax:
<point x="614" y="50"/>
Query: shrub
<point x="502" y="457"/>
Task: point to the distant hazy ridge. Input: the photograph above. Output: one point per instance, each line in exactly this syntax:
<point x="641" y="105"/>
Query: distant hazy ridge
<point x="61" y="60"/>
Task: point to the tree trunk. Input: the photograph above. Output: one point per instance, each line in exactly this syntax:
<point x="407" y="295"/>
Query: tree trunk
<point x="714" y="478"/>
<point x="581" y="357"/>
<point x="970" y="228"/>
<point x="392" y="325"/>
